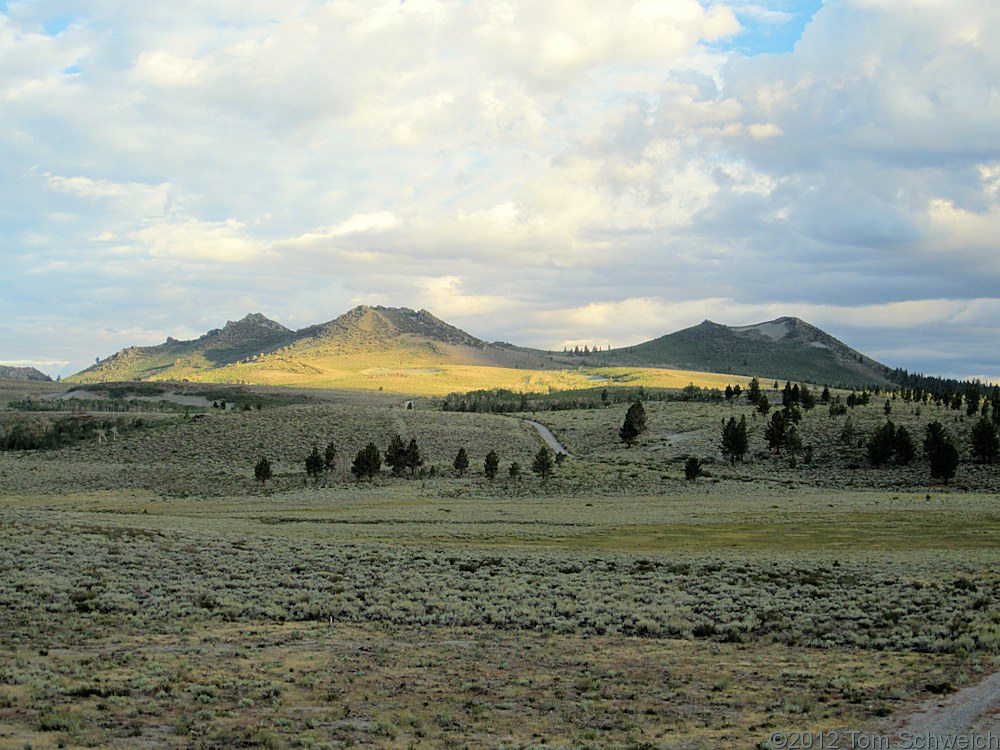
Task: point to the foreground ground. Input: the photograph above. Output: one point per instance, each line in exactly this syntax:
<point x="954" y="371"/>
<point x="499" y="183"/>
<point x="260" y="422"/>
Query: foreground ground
<point x="153" y="595"/>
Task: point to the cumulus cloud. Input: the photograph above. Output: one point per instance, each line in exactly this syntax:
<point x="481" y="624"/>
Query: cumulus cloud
<point x="196" y="241"/>
<point x="587" y="169"/>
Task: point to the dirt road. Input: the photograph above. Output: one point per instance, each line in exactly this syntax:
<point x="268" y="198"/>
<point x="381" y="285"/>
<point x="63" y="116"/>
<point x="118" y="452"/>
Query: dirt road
<point x="972" y="711"/>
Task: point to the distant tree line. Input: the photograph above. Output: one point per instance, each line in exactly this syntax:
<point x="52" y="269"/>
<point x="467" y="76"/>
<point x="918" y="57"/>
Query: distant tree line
<point x="32" y="434"/>
<point x="503" y="401"/>
<point x="404" y="459"/>
<point x="888" y="444"/>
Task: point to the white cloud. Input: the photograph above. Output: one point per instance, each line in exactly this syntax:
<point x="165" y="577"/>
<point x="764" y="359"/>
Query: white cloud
<point x="200" y="242"/>
<point x="445" y="297"/>
<point x="377" y="222"/>
<point x="762" y="14"/>
<point x="139" y="199"/>
<point x="597" y="163"/>
<point x="163" y="68"/>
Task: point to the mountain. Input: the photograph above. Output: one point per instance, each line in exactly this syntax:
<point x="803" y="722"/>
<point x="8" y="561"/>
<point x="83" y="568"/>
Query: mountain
<point x="783" y="349"/>
<point x="8" y="372"/>
<point x="178" y="360"/>
<point x="365" y="342"/>
<point x="366" y="329"/>
<point x="399" y="349"/>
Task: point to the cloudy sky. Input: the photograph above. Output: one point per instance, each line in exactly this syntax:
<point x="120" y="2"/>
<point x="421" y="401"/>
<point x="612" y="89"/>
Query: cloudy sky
<point x="547" y="173"/>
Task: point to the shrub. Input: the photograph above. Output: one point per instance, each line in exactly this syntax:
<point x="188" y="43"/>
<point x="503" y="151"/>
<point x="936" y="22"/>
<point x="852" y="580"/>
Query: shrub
<point x="262" y="470"/>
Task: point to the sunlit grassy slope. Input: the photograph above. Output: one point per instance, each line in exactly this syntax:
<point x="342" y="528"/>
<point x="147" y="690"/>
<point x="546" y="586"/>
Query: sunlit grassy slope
<point x="421" y="376"/>
<point x="399" y="350"/>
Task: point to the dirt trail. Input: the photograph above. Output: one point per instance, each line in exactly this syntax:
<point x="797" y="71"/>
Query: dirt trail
<point x="975" y="710"/>
<point x="548" y="437"/>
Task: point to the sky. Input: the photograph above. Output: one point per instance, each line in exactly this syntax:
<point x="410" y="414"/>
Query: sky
<point x="551" y="174"/>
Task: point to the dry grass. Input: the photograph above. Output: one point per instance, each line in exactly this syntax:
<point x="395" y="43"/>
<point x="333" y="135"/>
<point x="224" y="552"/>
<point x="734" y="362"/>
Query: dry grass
<point x="217" y="685"/>
<point x="153" y="594"/>
<point x="423" y="375"/>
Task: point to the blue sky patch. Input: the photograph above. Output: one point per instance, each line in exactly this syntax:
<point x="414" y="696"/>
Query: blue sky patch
<point x="770" y="27"/>
<point x="57" y="25"/>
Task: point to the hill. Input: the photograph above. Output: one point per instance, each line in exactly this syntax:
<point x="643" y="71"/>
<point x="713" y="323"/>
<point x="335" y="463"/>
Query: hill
<point x="784" y="349"/>
<point x="180" y="360"/>
<point x="409" y="351"/>
<point x="366" y="347"/>
<point x="8" y="372"/>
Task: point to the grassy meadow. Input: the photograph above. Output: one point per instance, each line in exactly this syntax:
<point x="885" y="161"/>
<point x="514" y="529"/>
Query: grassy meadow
<point x="419" y="374"/>
<point x="153" y="594"/>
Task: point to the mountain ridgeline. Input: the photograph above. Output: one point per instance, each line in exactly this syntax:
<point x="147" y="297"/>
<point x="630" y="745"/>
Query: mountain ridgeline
<point x="8" y="372"/>
<point x="383" y="340"/>
<point x="257" y="349"/>
<point x="784" y="349"/>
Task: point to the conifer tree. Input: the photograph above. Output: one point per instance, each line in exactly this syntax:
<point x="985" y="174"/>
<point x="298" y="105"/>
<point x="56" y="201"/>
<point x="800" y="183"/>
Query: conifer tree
<point x="734" y="439"/>
<point x="413" y="459"/>
<point x="692" y="469"/>
<point x="461" y="461"/>
<point x="985" y="443"/>
<point x="262" y="470"/>
<point x="903" y="447"/>
<point x="776" y="433"/>
<point x="763" y="405"/>
<point x="941" y="452"/>
<point x="491" y="465"/>
<point x="367" y="463"/>
<point x="543" y="463"/>
<point x="395" y="455"/>
<point x="634" y="425"/>
<point x="330" y="456"/>
<point x="314" y="463"/>
<point x="882" y="444"/>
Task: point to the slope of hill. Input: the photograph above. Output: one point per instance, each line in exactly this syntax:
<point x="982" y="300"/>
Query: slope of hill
<point x="8" y="372"/>
<point x="391" y="348"/>
<point x="784" y="349"/>
<point x="403" y="350"/>
<point x="177" y="360"/>
<point x="367" y="347"/>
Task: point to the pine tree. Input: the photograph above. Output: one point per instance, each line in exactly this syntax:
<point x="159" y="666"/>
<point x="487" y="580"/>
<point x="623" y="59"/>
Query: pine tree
<point x="763" y="405"/>
<point x="330" y="456"/>
<point x="734" y="439"/>
<point x="776" y="433"/>
<point x="461" y="461"/>
<point x="903" y="447"/>
<point x="395" y="455"/>
<point x="807" y="398"/>
<point x="543" y="463"/>
<point x="793" y="443"/>
<point x="985" y="443"/>
<point x="514" y="471"/>
<point x="848" y="434"/>
<point x="262" y="470"/>
<point x="786" y="394"/>
<point x="413" y="459"/>
<point x="692" y="469"/>
<point x="367" y="463"/>
<point x="314" y="463"/>
<point x="634" y="425"/>
<point x="753" y="391"/>
<point x="491" y="465"/>
<point x="941" y="452"/>
<point x="882" y="444"/>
